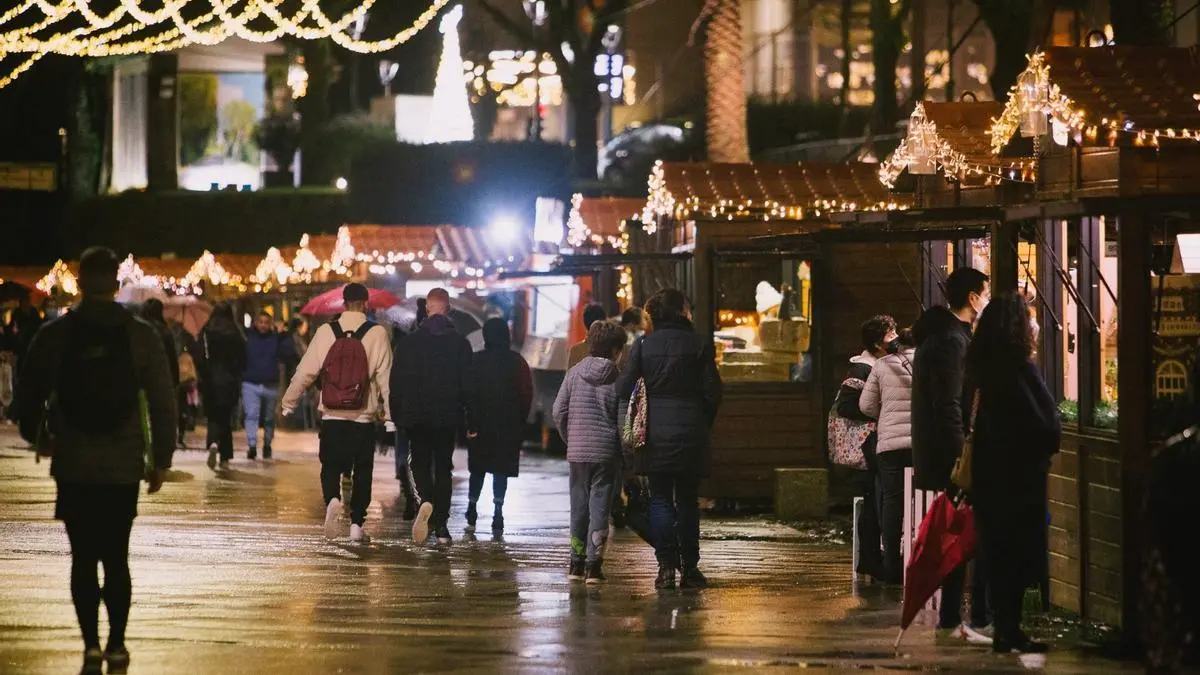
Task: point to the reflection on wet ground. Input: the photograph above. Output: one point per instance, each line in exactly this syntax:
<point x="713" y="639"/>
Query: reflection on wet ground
<point x="233" y="575"/>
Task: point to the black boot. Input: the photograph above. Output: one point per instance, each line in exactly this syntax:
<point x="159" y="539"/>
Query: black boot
<point x="410" y="495"/>
<point x="472" y="517"/>
<point x="267" y="451"/>
<point x="498" y="519"/>
<point x="692" y="578"/>
<point x="666" y="578"/>
<point x="252" y="453"/>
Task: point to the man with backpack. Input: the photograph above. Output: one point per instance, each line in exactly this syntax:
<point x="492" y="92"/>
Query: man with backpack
<point x="96" y="394"/>
<point x="352" y="357"/>
<point x="431" y="382"/>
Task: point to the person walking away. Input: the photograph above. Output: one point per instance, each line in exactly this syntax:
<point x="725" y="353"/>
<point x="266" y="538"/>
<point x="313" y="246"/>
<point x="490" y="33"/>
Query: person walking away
<point x="500" y="401"/>
<point x="430" y="388"/>
<point x="224" y="352"/>
<point x="186" y="361"/>
<point x="939" y="427"/>
<point x="633" y="321"/>
<point x="266" y="351"/>
<point x="152" y="313"/>
<point x="683" y="393"/>
<point x="1016" y="434"/>
<point x="887" y="397"/>
<point x="352" y="358"/>
<point x="92" y="380"/>
<point x="877" y="333"/>
<point x="586" y="415"/>
<point x="579" y="351"/>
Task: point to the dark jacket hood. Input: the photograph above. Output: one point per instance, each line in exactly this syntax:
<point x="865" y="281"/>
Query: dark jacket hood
<point x="496" y="335"/>
<point x="935" y="321"/>
<point x="597" y="370"/>
<point x="438" y="324"/>
<point x="103" y="312"/>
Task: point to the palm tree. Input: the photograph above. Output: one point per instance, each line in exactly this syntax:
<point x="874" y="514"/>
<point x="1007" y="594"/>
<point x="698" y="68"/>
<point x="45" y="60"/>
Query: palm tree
<point x="724" y="74"/>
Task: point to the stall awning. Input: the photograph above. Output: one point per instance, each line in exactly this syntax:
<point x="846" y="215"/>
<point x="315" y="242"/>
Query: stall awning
<point x="595" y="222"/>
<point x="953" y="140"/>
<point x="477" y="247"/>
<point x="685" y="191"/>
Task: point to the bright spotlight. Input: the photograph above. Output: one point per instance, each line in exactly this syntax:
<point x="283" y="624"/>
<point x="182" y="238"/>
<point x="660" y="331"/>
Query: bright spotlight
<point x="505" y="229"/>
<point x="341" y="183"/>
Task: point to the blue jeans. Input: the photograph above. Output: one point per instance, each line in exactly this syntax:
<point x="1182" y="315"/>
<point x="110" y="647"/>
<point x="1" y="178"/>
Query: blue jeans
<point x="258" y="402"/>
<point x="475" y="487"/>
<point x="675" y="519"/>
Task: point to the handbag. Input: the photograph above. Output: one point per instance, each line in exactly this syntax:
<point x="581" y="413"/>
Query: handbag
<point x="960" y="475"/>
<point x="633" y="433"/>
<point x="847" y="437"/>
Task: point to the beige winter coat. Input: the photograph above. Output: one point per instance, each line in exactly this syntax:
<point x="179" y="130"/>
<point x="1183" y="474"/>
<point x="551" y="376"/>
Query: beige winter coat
<point x="379" y="358"/>
<point x="888" y="398"/>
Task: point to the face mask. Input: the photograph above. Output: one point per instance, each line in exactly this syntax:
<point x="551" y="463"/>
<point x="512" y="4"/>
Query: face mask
<point x="893" y="347"/>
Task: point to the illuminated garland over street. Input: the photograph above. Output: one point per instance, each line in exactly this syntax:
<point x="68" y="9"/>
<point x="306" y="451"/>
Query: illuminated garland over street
<point x="111" y="35"/>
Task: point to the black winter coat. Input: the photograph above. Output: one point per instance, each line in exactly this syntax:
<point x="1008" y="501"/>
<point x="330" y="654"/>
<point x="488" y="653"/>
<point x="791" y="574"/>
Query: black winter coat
<point x="1016" y="433"/>
<point x="222" y="366"/>
<point x="430" y="380"/>
<point x="683" y="392"/>
<point x="939" y="382"/>
<point x="502" y="391"/>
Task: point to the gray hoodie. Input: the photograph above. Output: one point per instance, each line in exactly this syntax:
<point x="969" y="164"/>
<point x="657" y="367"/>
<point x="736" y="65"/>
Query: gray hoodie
<point x="585" y="412"/>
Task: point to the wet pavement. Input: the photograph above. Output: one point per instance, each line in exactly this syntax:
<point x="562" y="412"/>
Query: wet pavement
<point x="233" y="575"/>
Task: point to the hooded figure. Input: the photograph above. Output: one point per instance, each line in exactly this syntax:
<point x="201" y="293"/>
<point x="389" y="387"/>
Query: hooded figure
<point x="500" y="403"/>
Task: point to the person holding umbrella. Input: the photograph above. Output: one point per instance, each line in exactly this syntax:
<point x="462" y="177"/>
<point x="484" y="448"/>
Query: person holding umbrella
<point x="1016" y="433"/>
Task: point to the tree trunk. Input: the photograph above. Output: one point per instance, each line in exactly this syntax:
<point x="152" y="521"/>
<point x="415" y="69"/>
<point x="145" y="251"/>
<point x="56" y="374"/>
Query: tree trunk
<point x="1142" y="22"/>
<point x="585" y="120"/>
<point x="887" y="39"/>
<point x="916" y="61"/>
<point x="724" y="74"/>
<point x="315" y="112"/>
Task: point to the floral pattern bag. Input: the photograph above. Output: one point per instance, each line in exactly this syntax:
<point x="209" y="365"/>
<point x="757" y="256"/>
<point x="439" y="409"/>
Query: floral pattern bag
<point x="633" y="433"/>
<point x="846" y="436"/>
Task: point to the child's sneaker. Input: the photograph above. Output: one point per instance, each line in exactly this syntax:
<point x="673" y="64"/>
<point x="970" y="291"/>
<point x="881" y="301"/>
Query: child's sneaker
<point x="594" y="574"/>
<point x="576" y="571"/>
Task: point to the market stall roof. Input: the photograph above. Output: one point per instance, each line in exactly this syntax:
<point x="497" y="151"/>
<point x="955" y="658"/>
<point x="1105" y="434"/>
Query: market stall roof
<point x="597" y="221"/>
<point x="953" y="139"/>
<point x="26" y="276"/>
<point x="766" y="191"/>
<point x="1102" y="95"/>
<point x="474" y="246"/>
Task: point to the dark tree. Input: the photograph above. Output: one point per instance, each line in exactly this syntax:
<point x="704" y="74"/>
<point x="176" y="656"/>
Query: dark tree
<point x="887" y="30"/>
<point x="1142" y="22"/>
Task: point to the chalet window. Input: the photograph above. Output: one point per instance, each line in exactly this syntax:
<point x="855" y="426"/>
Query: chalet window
<point x="763" y="319"/>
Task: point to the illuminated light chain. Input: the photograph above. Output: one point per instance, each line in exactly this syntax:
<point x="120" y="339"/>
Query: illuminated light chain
<point x="59" y="277"/>
<point x="272" y="268"/>
<point x="922" y="144"/>
<point x="377" y="46"/>
<point x="96" y="20"/>
<point x="15" y="12"/>
<point x="660" y="201"/>
<point x="1035" y="93"/>
<point x="343" y="252"/>
<point x="577" y="230"/>
<point x="305" y="262"/>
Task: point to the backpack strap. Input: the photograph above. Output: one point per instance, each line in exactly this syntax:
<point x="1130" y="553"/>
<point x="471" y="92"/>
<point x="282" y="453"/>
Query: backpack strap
<point x="363" y="329"/>
<point x="338" y="333"/>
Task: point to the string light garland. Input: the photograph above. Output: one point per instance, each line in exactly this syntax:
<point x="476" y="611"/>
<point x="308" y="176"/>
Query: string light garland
<point x="922" y="151"/>
<point x="1036" y="98"/>
<point x="59" y="277"/>
<point x="104" y="35"/>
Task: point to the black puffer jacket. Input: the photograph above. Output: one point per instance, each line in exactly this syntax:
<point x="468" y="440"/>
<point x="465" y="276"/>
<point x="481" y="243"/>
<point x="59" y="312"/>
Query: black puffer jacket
<point x="430" y="382"/>
<point x="683" y="392"/>
<point x="502" y="390"/>
<point x="938" y="395"/>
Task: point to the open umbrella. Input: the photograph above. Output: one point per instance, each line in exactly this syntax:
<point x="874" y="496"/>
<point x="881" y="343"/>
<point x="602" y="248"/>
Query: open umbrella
<point x="946" y="539"/>
<point x="330" y="302"/>
<point x="188" y="310"/>
<point x="137" y="294"/>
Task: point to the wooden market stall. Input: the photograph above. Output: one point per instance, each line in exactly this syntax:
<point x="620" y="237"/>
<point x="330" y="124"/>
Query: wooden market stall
<point x="1118" y="186"/>
<point x="785" y="318"/>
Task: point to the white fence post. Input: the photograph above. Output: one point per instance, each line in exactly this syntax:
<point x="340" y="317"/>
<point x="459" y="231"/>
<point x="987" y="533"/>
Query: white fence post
<point x="916" y="505"/>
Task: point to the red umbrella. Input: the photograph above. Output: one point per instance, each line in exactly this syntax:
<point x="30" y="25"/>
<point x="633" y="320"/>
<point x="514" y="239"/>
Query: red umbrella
<point x="330" y="302"/>
<point x="946" y="539"/>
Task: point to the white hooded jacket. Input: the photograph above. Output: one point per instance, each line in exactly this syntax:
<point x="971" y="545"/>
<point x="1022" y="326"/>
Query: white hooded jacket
<point x="888" y="398"/>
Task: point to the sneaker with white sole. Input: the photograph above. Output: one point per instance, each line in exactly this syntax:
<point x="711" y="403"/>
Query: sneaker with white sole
<point x="420" y="528"/>
<point x="963" y="633"/>
<point x="357" y="535"/>
<point x="333" y="511"/>
<point x="212" y="459"/>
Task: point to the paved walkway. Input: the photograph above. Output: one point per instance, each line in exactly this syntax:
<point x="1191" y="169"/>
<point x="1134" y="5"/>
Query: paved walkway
<point x="232" y="575"/>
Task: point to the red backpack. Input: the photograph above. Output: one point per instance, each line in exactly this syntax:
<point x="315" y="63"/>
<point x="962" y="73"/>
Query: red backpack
<point x="345" y="374"/>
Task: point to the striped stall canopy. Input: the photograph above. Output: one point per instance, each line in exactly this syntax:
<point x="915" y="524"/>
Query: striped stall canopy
<point x="473" y="246"/>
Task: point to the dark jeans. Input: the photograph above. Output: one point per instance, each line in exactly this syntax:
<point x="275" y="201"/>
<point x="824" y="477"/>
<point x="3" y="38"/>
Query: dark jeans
<point x="870" y="556"/>
<point x="348" y="447"/>
<point x="953" y="587"/>
<point x="675" y="519"/>
<point x="401" y="452"/>
<point x="591" y="498"/>
<point x="103" y="541"/>
<point x="220" y="429"/>
<point x="431" y="461"/>
<point x="499" y="487"/>
<point x="890" y="489"/>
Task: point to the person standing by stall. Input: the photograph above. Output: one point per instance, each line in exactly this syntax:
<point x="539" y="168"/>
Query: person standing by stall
<point x="939" y="426"/>
<point x="224" y="360"/>
<point x="579" y="351"/>
<point x="430" y="393"/>
<point x="683" y="392"/>
<point x="104" y="375"/>
<point x="1016" y="434"/>
<point x="500" y="400"/>
<point x="267" y="350"/>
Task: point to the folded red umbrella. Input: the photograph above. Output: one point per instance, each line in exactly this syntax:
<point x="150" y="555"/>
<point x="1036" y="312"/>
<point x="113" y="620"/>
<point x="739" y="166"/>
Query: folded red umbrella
<point x="946" y="540"/>
<point x="330" y="302"/>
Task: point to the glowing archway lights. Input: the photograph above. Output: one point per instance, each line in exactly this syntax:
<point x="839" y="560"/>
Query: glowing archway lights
<point x="112" y="34"/>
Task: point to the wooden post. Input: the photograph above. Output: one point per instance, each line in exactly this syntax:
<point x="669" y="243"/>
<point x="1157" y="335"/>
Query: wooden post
<point x="1004" y="256"/>
<point x="1134" y="380"/>
<point x="704" y="311"/>
<point x="162" y="123"/>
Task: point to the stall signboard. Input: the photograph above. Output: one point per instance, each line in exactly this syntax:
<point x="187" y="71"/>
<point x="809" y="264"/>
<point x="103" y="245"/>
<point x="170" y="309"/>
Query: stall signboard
<point x="39" y="177"/>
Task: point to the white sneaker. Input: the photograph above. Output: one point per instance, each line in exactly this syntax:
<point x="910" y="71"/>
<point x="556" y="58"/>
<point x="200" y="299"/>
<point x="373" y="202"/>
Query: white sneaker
<point x="420" y="528"/>
<point x="963" y="633"/>
<point x="212" y="459"/>
<point x="357" y="535"/>
<point x="332" y="512"/>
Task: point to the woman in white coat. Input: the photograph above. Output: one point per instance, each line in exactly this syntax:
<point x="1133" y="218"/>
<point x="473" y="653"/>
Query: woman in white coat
<point x="887" y="397"/>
